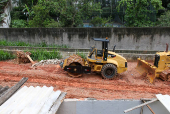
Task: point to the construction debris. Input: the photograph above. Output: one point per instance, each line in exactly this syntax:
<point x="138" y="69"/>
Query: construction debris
<point x="12" y="90"/>
<point x="148" y="107"/>
<point x="164" y="99"/>
<point x="24" y="57"/>
<point x="146" y="103"/>
<point x="46" y="62"/>
<point x="34" y="100"/>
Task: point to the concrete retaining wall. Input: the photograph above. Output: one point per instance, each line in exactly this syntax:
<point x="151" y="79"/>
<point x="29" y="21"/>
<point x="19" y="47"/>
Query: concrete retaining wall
<point x="123" y="38"/>
<point x="108" y="107"/>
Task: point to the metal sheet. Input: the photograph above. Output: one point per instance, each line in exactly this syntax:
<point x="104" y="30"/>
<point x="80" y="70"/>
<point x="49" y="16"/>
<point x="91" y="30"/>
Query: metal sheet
<point x="165" y="100"/>
<point x="30" y="100"/>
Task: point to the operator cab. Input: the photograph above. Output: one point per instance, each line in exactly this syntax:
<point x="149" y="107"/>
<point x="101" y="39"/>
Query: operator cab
<point x="100" y="53"/>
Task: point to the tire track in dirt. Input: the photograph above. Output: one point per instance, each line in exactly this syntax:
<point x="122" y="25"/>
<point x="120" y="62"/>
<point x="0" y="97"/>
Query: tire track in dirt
<point x="85" y="85"/>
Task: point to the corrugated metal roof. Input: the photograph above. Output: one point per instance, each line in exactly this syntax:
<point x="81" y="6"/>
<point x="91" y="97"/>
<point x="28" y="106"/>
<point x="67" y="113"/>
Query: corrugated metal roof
<point x="165" y="100"/>
<point x="30" y="100"/>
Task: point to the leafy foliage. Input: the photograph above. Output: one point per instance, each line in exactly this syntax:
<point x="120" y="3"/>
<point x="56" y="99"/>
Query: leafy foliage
<point x="168" y="6"/>
<point x="44" y="54"/>
<point x="137" y="11"/>
<point x="18" y="17"/>
<point x="19" y="43"/>
<point x="3" y="3"/>
<point x="96" y="21"/>
<point x="54" y="24"/>
<point x="99" y="22"/>
<point x="82" y="55"/>
<point x="4" y="55"/>
<point x="2" y="16"/>
<point x="29" y="3"/>
<point x="71" y="13"/>
<point x="75" y="11"/>
<point x="7" y="43"/>
<point x="164" y="19"/>
<point x="19" y="23"/>
<point x="165" y="3"/>
<point x="67" y="13"/>
<point x="17" y="13"/>
<point x="42" y="17"/>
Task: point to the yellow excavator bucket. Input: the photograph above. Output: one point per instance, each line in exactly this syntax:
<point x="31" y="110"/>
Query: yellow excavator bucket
<point x="145" y="67"/>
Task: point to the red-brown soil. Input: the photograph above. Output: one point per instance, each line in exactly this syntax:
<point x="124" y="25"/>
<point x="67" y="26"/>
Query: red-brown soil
<point x="128" y="85"/>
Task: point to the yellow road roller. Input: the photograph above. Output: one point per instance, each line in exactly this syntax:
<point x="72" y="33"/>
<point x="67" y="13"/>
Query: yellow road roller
<point x="108" y="63"/>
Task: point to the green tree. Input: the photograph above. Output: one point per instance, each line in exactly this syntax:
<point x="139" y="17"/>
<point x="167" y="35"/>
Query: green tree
<point x="137" y="12"/>
<point x="41" y="18"/>
<point x="40" y="13"/>
<point x="164" y="19"/>
<point x="18" y="23"/>
<point x="74" y="11"/>
<point x="99" y="22"/>
<point x="22" y="3"/>
<point x="165" y="3"/>
<point x="70" y="13"/>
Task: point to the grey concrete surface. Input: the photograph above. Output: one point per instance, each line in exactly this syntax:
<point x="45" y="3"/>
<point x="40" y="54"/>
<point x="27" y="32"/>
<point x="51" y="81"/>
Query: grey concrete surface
<point x="108" y="107"/>
<point x="124" y="38"/>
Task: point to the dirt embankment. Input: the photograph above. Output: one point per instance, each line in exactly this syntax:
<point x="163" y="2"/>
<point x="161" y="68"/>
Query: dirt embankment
<point x="128" y="85"/>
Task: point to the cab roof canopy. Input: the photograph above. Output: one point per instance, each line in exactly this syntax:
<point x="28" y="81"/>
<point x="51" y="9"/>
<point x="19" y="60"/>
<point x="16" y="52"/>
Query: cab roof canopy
<point x="101" y="39"/>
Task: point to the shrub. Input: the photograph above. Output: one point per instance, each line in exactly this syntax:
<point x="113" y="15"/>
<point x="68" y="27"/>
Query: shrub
<point x="54" y="24"/>
<point x="100" y="22"/>
<point x="19" y="43"/>
<point x="44" y="54"/>
<point x="164" y="19"/>
<point x="82" y="55"/>
<point x="4" y="55"/>
<point x="96" y="21"/>
<point x="19" y="24"/>
<point x="7" y="43"/>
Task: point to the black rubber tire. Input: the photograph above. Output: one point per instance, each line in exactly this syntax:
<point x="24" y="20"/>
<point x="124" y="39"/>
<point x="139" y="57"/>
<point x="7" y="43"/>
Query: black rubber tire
<point x="108" y="71"/>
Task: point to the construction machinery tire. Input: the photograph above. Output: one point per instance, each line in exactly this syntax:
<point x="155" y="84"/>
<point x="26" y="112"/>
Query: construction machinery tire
<point x="75" y="60"/>
<point x="108" y="71"/>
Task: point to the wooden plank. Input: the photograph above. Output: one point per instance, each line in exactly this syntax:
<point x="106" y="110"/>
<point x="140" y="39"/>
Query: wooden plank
<point x="149" y="107"/>
<point x="165" y="100"/>
<point x="3" y="90"/>
<point x="141" y="111"/>
<point x="12" y="90"/>
<point x="140" y="105"/>
<point x="1" y="87"/>
<point x="57" y="103"/>
<point x="147" y="99"/>
<point x="32" y="62"/>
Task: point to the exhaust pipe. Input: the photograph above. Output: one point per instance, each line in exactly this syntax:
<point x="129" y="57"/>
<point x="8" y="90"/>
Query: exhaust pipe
<point x="167" y="47"/>
<point x="114" y="48"/>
